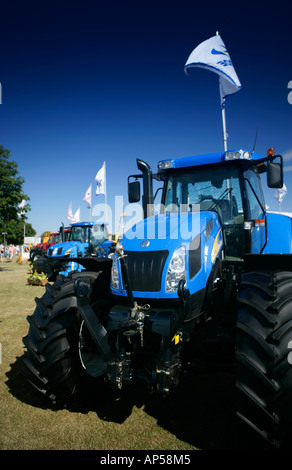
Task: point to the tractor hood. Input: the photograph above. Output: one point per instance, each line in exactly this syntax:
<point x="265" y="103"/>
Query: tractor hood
<point x="66" y="249"/>
<point x="159" y="247"/>
<point x="163" y="231"/>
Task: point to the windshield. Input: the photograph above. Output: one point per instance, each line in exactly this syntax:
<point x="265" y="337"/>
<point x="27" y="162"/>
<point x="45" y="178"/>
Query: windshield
<point x="98" y="234"/>
<point x="213" y="189"/>
<point x="79" y="234"/>
<point x="95" y="234"/>
<point x="55" y="238"/>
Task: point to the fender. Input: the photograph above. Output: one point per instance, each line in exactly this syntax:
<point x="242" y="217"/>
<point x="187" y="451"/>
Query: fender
<point x="279" y="234"/>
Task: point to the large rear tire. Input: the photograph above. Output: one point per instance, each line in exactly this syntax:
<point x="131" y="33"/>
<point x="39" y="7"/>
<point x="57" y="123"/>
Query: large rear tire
<point x="52" y="342"/>
<point x="264" y="365"/>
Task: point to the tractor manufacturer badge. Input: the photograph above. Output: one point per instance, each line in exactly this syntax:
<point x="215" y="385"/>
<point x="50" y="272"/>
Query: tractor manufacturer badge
<point x="145" y="243"/>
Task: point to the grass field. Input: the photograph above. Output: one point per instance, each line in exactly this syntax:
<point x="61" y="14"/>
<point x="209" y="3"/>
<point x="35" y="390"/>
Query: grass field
<point x="199" y="415"/>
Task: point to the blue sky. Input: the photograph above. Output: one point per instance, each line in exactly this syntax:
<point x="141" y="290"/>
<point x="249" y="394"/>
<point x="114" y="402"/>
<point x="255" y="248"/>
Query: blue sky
<point x="88" y="82"/>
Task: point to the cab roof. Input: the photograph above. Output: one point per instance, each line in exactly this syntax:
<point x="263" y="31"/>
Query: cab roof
<point x="209" y="159"/>
<point x="90" y="224"/>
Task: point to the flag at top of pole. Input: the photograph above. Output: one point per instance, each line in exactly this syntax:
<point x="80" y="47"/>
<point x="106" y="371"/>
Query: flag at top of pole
<point x="101" y="186"/>
<point x="280" y="194"/>
<point x="87" y="197"/>
<point x="21" y="206"/>
<point x="75" y="217"/>
<point x="213" y="55"/>
<point x="100" y="179"/>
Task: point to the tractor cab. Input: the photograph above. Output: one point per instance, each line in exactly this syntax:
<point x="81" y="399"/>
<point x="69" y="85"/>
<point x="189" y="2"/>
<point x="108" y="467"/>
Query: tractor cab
<point x="84" y="238"/>
<point x="227" y="183"/>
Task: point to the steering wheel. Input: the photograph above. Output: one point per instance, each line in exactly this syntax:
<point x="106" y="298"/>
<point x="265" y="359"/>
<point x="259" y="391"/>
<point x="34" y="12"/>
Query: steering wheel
<point x="204" y="198"/>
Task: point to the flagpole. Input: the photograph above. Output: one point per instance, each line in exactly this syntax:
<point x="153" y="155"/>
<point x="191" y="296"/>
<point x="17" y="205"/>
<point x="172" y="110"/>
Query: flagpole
<point x="222" y="98"/>
<point x="224" y="126"/>
<point x="101" y="186"/>
<point x="105" y="195"/>
<point x="90" y="203"/>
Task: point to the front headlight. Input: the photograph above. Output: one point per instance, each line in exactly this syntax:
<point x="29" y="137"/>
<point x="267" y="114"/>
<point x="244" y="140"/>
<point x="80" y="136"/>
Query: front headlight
<point x="55" y="251"/>
<point x="176" y="269"/>
<point x="115" y="273"/>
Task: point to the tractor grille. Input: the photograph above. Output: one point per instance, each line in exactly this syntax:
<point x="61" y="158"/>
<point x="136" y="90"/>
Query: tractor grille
<point x="50" y="251"/>
<point x="145" y="269"/>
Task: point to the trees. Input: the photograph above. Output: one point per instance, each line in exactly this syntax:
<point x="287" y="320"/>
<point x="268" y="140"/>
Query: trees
<point x="12" y="218"/>
<point x="15" y="231"/>
<point x="45" y="233"/>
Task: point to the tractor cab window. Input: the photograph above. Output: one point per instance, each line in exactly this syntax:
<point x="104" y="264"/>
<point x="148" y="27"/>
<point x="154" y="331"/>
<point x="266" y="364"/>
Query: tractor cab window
<point x="254" y="195"/>
<point x="211" y="189"/>
<point x="79" y="234"/>
<point x="98" y="234"/>
<point x="255" y="210"/>
<point x="58" y="238"/>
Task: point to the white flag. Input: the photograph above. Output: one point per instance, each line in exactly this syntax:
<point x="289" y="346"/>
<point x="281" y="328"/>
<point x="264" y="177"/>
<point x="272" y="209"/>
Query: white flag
<point x="21" y="206"/>
<point x="100" y="179"/>
<point x="70" y="215"/>
<point x="77" y="215"/>
<point x="87" y="197"/>
<point x="212" y="55"/>
<point x="281" y="193"/>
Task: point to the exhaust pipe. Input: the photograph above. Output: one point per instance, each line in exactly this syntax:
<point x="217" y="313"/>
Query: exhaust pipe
<point x="147" y="198"/>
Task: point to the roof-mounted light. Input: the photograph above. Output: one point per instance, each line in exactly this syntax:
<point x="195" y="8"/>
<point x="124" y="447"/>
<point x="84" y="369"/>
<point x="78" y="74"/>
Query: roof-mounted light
<point x="165" y="164"/>
<point x="238" y="155"/>
<point x="247" y="155"/>
<point x="229" y="156"/>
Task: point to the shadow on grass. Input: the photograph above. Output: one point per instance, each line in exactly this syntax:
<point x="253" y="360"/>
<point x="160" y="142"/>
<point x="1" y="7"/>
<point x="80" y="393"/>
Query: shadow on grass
<point x="7" y="265"/>
<point x="5" y="268"/>
<point x="200" y="411"/>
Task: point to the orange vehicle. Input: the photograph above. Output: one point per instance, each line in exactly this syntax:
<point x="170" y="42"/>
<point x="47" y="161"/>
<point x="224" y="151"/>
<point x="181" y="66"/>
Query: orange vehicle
<point x="49" y="240"/>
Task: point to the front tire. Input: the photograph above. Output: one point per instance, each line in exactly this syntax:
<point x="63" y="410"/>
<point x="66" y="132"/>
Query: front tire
<point x="264" y="365"/>
<point x="52" y="342"/>
<point x="36" y="253"/>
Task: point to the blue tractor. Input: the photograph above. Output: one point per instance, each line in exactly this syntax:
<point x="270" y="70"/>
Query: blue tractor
<point x="212" y="256"/>
<point x="85" y="239"/>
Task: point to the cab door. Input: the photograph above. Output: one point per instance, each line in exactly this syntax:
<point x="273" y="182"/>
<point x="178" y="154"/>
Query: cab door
<point x="255" y="220"/>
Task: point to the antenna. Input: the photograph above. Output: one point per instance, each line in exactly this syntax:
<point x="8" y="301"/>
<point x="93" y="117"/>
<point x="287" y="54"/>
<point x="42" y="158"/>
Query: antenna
<point x="255" y="140"/>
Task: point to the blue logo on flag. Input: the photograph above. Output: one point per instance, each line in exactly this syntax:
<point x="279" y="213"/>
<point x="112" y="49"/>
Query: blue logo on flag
<point x="225" y="62"/>
<point x="214" y="51"/>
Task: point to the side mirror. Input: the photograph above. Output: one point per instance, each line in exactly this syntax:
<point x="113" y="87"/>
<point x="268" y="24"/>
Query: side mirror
<point x="134" y="191"/>
<point x="275" y="175"/>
